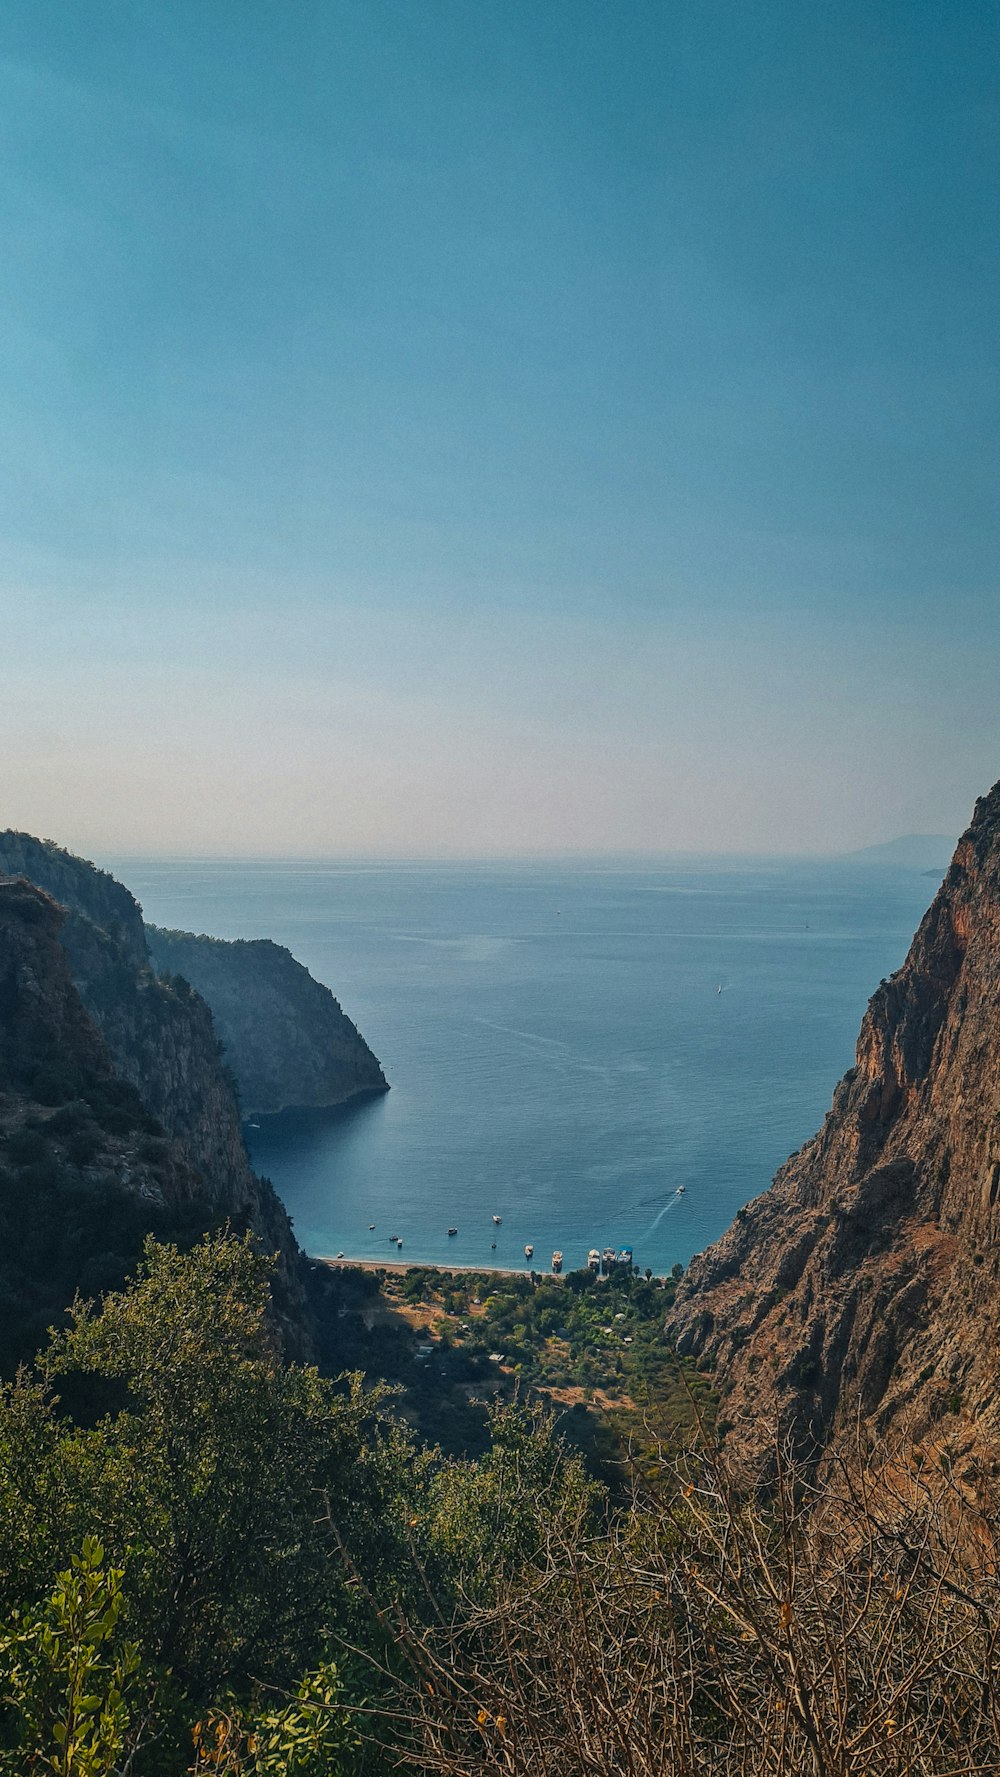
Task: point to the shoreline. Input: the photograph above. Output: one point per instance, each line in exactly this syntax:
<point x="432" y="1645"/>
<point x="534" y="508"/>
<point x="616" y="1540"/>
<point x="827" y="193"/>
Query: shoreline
<point x="402" y="1266"/>
<point x="251" y="1119"/>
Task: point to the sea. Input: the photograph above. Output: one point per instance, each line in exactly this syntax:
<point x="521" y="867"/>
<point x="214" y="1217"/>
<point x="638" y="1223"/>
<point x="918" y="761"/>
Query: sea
<point x="596" y="1053"/>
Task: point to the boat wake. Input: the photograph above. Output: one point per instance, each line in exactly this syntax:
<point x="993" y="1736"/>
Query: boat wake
<point x="678" y="1194"/>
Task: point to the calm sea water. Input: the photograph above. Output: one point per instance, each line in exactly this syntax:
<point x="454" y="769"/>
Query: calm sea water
<point x="559" y="1052"/>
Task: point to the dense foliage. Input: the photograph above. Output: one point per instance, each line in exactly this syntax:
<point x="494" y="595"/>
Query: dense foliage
<point x="237" y="1518"/>
<point x="591" y="1348"/>
<point x="67" y="1219"/>
<point x="217" y="1562"/>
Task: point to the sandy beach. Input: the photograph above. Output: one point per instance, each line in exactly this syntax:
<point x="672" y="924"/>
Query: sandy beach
<point x="403" y="1266"/>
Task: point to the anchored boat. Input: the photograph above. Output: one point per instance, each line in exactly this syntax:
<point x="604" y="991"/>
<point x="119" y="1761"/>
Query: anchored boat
<point x="557" y="1260"/>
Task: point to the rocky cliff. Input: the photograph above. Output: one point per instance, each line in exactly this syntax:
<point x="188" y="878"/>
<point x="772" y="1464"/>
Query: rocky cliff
<point x="284" y="1035"/>
<point x="80" y="885"/>
<point x="160" y="1043"/>
<point x="85" y="1169"/>
<point x="866" y="1282"/>
<point x="159" y="1033"/>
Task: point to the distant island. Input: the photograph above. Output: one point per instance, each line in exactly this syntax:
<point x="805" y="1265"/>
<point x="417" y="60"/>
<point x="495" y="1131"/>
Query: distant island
<point x="913" y="851"/>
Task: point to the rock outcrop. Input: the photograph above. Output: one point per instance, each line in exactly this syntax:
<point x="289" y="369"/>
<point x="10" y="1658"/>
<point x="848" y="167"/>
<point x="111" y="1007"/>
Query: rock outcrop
<point x="284" y="1035"/>
<point x="159" y="1033"/>
<point x="78" y="884"/>
<point x="85" y="1169"/>
<point x="159" y="1045"/>
<point x="865" y="1284"/>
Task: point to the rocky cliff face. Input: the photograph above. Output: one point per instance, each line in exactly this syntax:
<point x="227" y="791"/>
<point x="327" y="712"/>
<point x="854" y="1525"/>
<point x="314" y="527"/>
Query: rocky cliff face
<point x="866" y="1281"/>
<point x="159" y="1035"/>
<point x="284" y="1035"/>
<point x="85" y="1169"/>
<point x="159" y="1042"/>
<point x="76" y="883"/>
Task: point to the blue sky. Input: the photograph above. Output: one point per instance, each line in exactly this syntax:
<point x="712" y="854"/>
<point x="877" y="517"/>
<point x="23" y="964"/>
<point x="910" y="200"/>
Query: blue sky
<point x="471" y="427"/>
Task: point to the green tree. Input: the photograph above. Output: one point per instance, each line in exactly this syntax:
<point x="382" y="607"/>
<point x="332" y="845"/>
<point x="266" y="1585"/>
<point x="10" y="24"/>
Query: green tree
<point x="489" y="1518"/>
<point x="224" y="1482"/>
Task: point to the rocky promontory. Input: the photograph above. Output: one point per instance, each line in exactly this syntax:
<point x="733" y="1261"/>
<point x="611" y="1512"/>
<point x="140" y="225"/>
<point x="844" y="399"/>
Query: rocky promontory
<point x="284" y="1034"/>
<point x="118" y="1114"/>
<point x="864" y="1286"/>
<point x="159" y="1034"/>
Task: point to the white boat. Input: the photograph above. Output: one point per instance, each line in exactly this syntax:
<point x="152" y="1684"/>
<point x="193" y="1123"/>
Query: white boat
<point x="557" y="1260"/>
<point x="528" y="1251"/>
<point x="497" y="1220"/>
<point x="681" y="1189"/>
<point x="594" y="1259"/>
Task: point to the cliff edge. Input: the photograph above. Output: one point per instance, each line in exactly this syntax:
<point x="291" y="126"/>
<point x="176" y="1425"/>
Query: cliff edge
<point x="865" y="1284"/>
<point x="158" y="1044"/>
<point x="285" y="1036"/>
<point x="85" y="1169"/>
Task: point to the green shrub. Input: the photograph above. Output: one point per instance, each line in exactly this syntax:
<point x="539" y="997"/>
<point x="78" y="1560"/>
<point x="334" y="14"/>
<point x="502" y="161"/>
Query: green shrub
<point x="70" y="1678"/>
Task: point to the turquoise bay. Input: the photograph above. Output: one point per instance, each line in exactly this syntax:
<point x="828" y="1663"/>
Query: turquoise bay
<point x="560" y="1052"/>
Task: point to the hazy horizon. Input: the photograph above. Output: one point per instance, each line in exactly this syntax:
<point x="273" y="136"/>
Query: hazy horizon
<point x="493" y="431"/>
<point x="598" y="859"/>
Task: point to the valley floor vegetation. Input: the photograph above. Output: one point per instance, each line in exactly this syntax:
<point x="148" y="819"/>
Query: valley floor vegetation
<point x="590" y="1348"/>
<point x="217" y="1562"/>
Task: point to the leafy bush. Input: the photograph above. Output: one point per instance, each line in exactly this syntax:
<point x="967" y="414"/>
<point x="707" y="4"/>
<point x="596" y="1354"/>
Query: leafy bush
<point x="69" y="1677"/>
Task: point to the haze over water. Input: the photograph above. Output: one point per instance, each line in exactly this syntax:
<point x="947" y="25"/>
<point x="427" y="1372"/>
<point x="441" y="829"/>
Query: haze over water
<point x="558" y="1049"/>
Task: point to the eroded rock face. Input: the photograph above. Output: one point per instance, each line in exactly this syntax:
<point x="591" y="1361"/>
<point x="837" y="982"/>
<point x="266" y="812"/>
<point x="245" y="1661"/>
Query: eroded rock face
<point x="866" y="1281"/>
<point x="75" y="882"/>
<point x="159" y="1037"/>
<point x="86" y="1171"/>
<point x="284" y="1035"/>
<point x="158" y="1040"/>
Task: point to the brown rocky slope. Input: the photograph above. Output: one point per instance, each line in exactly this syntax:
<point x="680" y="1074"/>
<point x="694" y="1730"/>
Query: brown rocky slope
<point x="865" y="1284"/>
